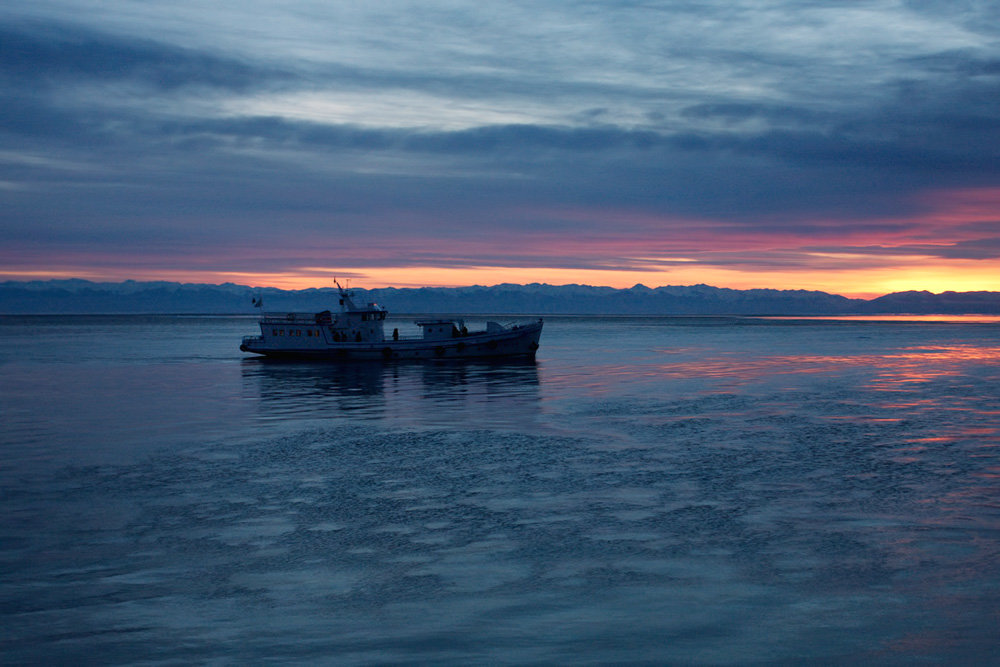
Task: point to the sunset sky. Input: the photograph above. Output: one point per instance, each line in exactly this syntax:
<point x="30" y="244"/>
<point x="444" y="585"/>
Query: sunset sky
<point x="847" y="146"/>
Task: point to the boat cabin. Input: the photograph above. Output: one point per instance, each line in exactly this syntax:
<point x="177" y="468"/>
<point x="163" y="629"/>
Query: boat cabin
<point x="442" y="329"/>
<point x="353" y="324"/>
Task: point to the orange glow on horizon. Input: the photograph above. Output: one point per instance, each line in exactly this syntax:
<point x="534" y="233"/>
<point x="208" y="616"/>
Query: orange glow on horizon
<point x="621" y="248"/>
<point x="954" y="275"/>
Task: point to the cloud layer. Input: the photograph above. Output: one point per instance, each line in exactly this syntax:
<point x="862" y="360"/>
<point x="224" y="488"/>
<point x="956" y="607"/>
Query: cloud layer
<point x="821" y="138"/>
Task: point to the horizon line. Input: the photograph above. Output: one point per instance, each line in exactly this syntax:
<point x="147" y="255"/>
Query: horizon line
<point x="456" y="287"/>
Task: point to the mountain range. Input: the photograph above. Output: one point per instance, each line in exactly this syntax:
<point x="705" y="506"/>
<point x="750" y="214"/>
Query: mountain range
<point x="85" y="297"/>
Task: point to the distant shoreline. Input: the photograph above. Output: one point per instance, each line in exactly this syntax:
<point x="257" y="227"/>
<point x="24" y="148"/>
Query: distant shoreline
<point x="131" y="297"/>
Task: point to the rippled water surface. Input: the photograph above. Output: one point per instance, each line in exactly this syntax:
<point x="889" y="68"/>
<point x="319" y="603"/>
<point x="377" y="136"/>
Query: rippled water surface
<point x="680" y="490"/>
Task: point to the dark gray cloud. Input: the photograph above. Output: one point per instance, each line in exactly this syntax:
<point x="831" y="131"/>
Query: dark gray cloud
<point x="52" y="54"/>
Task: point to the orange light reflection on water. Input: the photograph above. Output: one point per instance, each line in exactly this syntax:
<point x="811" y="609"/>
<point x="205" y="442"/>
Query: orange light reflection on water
<point x="964" y="319"/>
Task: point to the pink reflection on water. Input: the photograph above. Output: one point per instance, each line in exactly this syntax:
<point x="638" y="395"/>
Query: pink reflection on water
<point x="749" y="370"/>
<point x="920" y="365"/>
<point x="893" y="372"/>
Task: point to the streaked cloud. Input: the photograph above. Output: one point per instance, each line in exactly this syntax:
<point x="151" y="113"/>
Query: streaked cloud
<point x="615" y="137"/>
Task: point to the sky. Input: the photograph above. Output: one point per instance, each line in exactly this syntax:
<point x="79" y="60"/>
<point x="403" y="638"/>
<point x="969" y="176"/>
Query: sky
<point x="845" y="146"/>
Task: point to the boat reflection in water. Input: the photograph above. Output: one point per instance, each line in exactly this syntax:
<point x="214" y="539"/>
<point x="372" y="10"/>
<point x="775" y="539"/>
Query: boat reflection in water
<point x="416" y="394"/>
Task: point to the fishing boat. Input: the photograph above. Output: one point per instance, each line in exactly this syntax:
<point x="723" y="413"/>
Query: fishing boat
<point x="356" y="333"/>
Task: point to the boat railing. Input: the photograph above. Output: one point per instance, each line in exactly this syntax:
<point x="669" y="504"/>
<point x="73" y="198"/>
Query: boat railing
<point x="248" y="340"/>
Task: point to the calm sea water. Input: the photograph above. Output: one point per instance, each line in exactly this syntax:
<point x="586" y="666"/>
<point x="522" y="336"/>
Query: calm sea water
<point x="651" y="490"/>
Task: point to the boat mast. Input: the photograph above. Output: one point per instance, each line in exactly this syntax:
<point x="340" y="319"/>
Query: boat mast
<point x="346" y="303"/>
